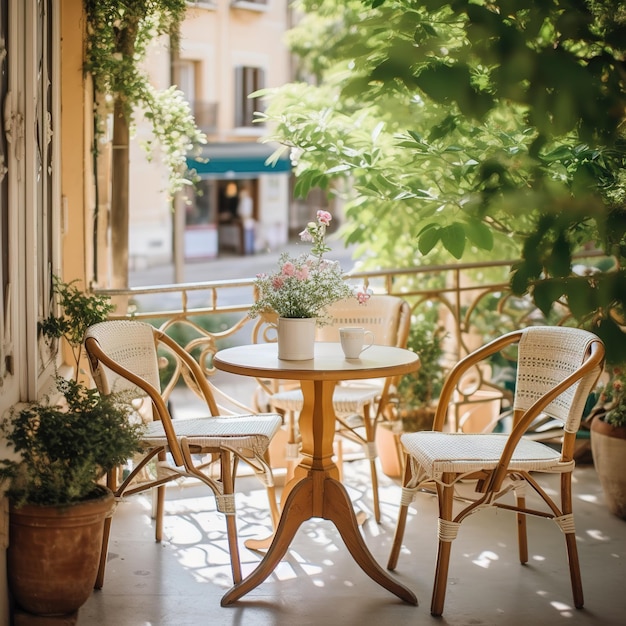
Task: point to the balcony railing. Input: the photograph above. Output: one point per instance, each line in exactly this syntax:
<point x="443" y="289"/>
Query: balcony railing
<point x="471" y="303"/>
<point x="466" y="296"/>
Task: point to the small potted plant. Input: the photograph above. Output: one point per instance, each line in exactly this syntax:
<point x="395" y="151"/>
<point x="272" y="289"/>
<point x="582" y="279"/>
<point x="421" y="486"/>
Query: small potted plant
<point x="299" y="291"/>
<point x="608" y="440"/>
<point x="61" y="448"/>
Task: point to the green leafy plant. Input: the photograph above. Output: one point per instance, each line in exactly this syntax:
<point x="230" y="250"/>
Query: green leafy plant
<point x="78" y="311"/>
<point x="65" y="448"/>
<point x="418" y="391"/>
<point x="612" y="399"/>
<point x="465" y="122"/>
<point x="64" y="445"/>
<point x="118" y="36"/>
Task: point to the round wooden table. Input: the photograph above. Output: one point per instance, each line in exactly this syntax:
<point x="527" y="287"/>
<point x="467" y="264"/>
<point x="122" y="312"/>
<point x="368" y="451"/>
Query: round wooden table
<point x="315" y="490"/>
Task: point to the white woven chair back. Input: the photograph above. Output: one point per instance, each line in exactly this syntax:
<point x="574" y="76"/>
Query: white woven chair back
<point x="380" y="315"/>
<point x="546" y="356"/>
<point x="131" y="344"/>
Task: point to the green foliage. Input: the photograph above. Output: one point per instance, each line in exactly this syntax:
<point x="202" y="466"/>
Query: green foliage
<point x="440" y="122"/>
<point x="118" y="36"/>
<point x="612" y="400"/>
<point x="64" y="449"/>
<point x="78" y="311"/>
<point x="421" y="388"/>
<point x="617" y="416"/>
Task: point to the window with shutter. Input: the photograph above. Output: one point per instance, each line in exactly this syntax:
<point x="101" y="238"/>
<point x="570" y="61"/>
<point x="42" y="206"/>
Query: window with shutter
<point x="247" y="81"/>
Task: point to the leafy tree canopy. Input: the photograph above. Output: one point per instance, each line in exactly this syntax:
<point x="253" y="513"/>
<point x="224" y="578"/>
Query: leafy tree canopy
<point x="470" y="128"/>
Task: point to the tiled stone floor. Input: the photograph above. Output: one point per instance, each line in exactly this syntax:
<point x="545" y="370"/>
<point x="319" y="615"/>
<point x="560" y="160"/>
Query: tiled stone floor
<point x="181" y="581"/>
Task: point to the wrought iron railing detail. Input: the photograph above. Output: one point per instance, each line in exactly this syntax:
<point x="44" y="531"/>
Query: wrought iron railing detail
<point x="471" y="302"/>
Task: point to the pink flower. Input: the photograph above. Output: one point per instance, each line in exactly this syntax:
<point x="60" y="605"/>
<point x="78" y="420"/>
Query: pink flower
<point x="363" y="295"/>
<point x="305" y="235"/>
<point x="324" y="217"/>
<point x="277" y="282"/>
<point x="289" y="269"/>
<point x="302" y="273"/>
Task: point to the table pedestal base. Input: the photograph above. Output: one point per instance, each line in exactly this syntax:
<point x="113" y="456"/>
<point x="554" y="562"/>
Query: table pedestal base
<point x="301" y="503"/>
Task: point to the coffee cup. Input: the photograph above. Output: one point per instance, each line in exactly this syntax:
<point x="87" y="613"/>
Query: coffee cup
<point x="355" y="340"/>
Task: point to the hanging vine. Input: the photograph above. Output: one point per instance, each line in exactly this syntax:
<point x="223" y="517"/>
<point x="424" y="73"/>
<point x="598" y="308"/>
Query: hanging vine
<point x="118" y="35"/>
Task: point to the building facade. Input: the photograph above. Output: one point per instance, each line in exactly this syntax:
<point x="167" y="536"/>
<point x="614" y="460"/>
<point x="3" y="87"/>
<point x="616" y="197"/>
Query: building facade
<point x="240" y="204"/>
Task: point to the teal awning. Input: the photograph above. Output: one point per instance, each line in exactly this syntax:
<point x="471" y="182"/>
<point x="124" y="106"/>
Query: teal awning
<point x="237" y="159"/>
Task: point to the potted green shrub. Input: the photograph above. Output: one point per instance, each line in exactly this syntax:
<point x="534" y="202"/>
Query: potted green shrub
<point x="418" y="391"/>
<point x="415" y="395"/>
<point x="608" y="441"/>
<point x="62" y="446"/>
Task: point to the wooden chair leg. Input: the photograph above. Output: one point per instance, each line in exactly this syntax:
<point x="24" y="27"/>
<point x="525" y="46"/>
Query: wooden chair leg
<point x="231" y="519"/>
<point x="160" y="505"/>
<point x="445" y="497"/>
<point x="370" y="444"/>
<point x="274" y="512"/>
<point x="104" y="553"/>
<point x="375" y="498"/>
<point x="397" y="538"/>
<point x="400" y="524"/>
<point x="522" y="534"/>
<point x="570" y="542"/>
<point x="574" y="570"/>
<point x="290" y="469"/>
<point x="160" y="509"/>
<point x="271" y="496"/>
<point x="111" y="481"/>
<point x="338" y="449"/>
<point x="441" y="578"/>
<point x="292" y="439"/>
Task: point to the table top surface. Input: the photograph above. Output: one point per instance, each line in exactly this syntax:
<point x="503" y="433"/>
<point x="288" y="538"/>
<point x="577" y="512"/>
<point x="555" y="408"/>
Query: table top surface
<point x="329" y="362"/>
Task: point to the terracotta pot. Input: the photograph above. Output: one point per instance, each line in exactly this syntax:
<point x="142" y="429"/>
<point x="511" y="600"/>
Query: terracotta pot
<point x="296" y="338"/>
<point x="389" y="448"/>
<point x="53" y="554"/>
<point x="608" y="446"/>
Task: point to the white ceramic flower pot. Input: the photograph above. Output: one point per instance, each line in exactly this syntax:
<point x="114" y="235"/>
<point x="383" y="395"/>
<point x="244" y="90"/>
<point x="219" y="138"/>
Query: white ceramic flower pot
<point x="296" y="338"/>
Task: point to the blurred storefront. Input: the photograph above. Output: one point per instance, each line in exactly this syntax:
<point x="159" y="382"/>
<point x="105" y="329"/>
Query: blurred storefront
<point x="240" y="203"/>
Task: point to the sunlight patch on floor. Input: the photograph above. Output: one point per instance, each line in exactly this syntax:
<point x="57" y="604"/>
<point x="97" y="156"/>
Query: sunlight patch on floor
<point x="485" y="559"/>
<point x="597" y="535"/>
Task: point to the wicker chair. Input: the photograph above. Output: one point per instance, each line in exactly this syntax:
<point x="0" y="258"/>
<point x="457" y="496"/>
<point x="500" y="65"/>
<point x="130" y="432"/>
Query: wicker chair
<point x="123" y="355"/>
<point x="358" y="405"/>
<point x="556" y="370"/>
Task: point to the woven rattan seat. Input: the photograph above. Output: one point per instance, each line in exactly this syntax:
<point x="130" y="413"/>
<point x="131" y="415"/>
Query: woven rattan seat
<point x="556" y="370"/>
<point x="124" y="356"/>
